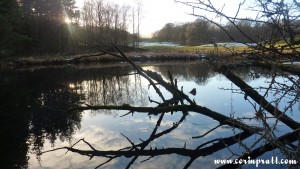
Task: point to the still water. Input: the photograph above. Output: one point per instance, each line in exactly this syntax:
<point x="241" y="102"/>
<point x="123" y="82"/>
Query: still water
<point x="34" y="117"/>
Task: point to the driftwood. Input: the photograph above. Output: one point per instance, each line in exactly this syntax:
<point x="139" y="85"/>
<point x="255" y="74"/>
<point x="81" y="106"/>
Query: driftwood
<point x="76" y="59"/>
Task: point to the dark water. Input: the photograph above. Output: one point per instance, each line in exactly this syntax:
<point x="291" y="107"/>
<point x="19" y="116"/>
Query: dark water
<point x="34" y="118"/>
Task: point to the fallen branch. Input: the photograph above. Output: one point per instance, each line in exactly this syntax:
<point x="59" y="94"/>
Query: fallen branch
<point x="249" y="91"/>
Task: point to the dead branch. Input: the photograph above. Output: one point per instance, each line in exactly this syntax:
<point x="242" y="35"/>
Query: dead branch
<point x="284" y="139"/>
<point x="249" y="91"/>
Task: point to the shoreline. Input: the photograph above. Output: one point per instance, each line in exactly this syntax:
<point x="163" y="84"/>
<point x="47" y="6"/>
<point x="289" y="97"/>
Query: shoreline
<point x="99" y="58"/>
<point x="137" y="56"/>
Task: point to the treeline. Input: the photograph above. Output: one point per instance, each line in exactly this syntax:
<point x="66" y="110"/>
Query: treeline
<point x="45" y="25"/>
<point x="202" y="32"/>
<point x="105" y="22"/>
<point x="38" y="27"/>
<point x="10" y="27"/>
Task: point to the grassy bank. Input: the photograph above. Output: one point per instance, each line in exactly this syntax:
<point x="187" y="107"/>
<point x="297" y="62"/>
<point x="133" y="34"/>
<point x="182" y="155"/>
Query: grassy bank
<point x="196" y="49"/>
<point x="141" y="54"/>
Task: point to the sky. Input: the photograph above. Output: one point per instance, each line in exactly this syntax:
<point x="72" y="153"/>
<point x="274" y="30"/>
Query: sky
<point x="156" y="13"/>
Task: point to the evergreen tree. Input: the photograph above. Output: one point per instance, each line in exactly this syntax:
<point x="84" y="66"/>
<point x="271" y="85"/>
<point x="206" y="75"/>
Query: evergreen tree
<point x="10" y="28"/>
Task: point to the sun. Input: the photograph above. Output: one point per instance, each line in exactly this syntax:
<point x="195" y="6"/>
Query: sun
<point x="67" y="20"/>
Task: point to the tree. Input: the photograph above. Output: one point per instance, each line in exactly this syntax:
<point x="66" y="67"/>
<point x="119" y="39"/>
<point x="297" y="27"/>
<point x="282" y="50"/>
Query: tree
<point x="136" y="21"/>
<point x="45" y="25"/>
<point x="10" y="28"/>
<point x="198" y="33"/>
<point x="165" y="34"/>
<point x="139" y="9"/>
<point x="124" y="25"/>
<point x="202" y="32"/>
<point x="105" y="22"/>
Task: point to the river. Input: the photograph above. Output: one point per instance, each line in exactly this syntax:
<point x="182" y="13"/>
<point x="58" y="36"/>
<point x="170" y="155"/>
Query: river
<point x="34" y="117"/>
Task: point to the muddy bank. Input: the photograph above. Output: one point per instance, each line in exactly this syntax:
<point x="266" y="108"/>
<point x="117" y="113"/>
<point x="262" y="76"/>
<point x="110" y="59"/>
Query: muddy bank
<point x="98" y="58"/>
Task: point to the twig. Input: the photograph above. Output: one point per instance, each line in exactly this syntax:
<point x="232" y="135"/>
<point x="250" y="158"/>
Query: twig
<point x="207" y="132"/>
<point x="134" y="146"/>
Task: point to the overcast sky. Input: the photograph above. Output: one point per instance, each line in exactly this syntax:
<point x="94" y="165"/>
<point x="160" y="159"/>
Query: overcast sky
<point x="156" y="13"/>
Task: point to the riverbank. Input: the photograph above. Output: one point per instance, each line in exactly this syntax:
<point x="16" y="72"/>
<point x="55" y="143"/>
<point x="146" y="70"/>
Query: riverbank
<point x="99" y="58"/>
<point x="141" y="54"/>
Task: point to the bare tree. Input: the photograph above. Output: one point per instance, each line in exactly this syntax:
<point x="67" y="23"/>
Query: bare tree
<point x="136" y="21"/>
<point x="105" y="22"/>
<point x="124" y="26"/>
<point x="139" y="18"/>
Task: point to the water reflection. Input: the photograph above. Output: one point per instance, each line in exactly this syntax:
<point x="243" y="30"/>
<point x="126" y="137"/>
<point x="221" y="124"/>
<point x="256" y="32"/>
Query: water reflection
<point x="48" y="117"/>
<point x="34" y="104"/>
<point x="198" y="73"/>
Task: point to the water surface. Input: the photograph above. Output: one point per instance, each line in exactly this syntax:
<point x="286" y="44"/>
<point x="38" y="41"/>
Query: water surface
<point x="34" y="117"/>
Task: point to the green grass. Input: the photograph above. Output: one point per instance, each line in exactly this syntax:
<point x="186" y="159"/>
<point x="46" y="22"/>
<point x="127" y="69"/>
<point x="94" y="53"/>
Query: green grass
<point x="194" y="49"/>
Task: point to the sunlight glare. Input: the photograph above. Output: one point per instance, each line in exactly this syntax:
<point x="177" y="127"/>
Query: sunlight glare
<point x="67" y="20"/>
<point x="72" y="86"/>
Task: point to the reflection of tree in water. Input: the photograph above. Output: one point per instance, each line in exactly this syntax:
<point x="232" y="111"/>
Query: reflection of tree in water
<point x="249" y="74"/>
<point x="198" y="72"/>
<point x="61" y="89"/>
<point x="14" y="117"/>
<point x="113" y="90"/>
<point x="50" y="121"/>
